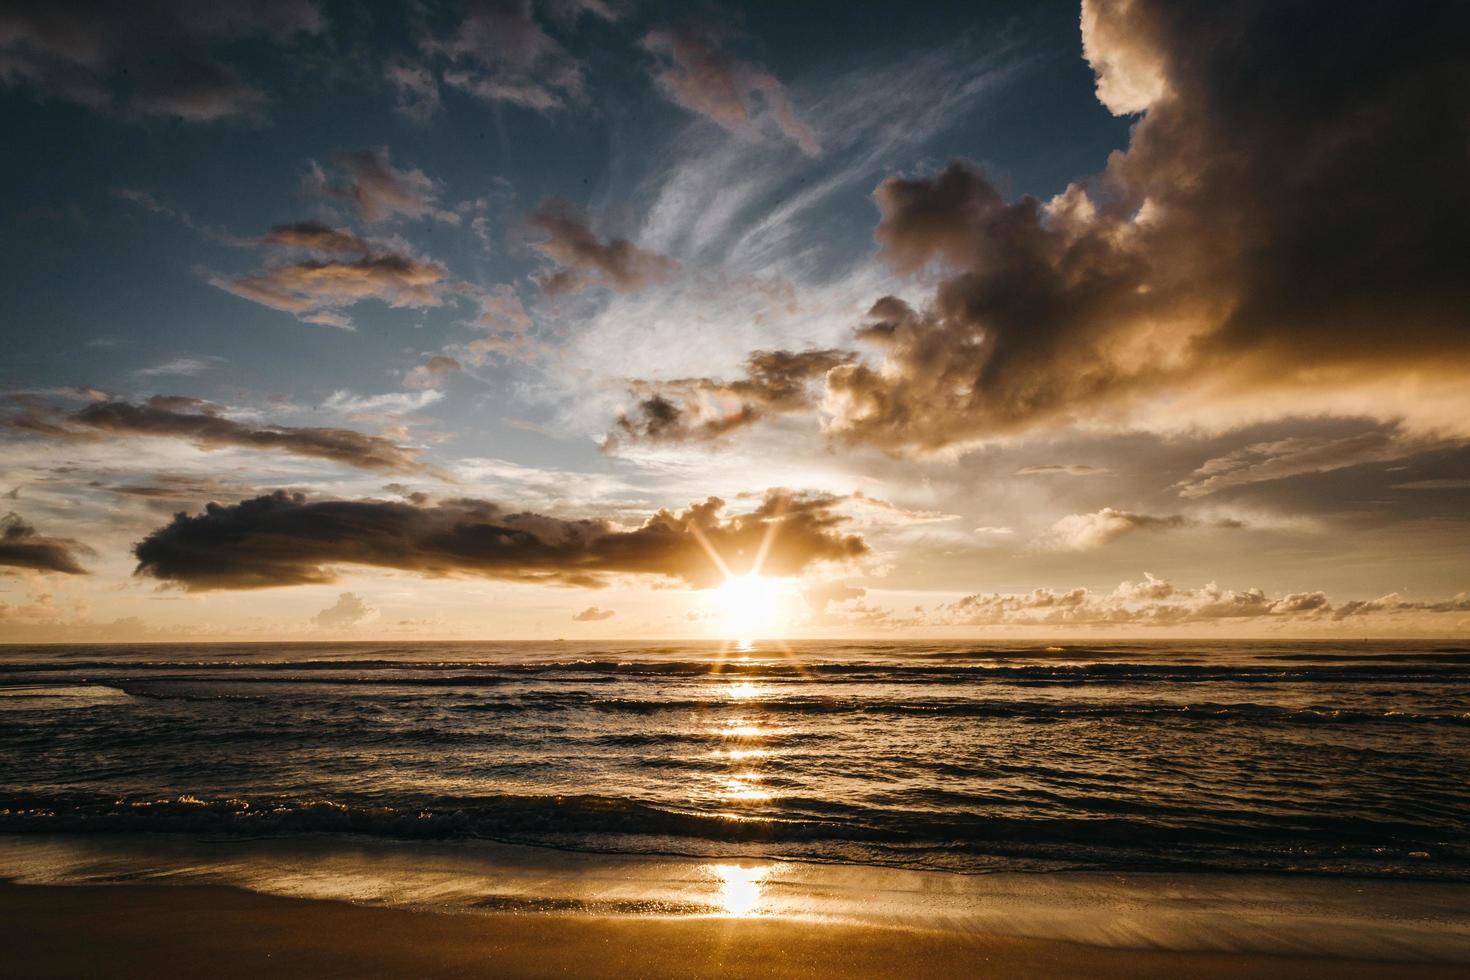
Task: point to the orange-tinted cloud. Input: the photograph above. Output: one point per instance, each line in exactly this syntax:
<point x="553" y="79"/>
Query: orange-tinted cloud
<point x="1280" y="237"/>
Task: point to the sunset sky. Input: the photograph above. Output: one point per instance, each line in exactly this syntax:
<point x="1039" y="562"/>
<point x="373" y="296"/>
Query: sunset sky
<point x="518" y="320"/>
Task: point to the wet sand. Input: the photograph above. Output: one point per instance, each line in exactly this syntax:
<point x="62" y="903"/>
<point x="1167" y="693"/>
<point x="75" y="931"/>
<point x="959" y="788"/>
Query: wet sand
<point x="191" y="931"/>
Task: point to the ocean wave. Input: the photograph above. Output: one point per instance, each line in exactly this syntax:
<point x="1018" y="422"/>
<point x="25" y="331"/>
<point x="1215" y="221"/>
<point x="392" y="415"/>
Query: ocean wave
<point x="907" y="837"/>
<point x="459" y="674"/>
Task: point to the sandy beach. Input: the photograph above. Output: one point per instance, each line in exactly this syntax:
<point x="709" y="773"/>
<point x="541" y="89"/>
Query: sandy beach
<point x="176" y="906"/>
<point x="189" y="931"/>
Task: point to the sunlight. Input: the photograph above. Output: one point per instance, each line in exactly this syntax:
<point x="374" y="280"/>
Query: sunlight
<point x="752" y="607"/>
<point x="740" y="888"/>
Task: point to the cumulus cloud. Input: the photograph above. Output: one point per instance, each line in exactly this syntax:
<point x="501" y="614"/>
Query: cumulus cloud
<point x="1086" y="532"/>
<point x="285" y="539"/>
<point x="206" y="426"/>
<point x="1243" y="258"/>
<point x="349" y="610"/>
<point x="592" y="614"/>
<point x="379" y="191"/>
<point x="693" y="71"/>
<point x="499" y="52"/>
<point x="137" y="61"/>
<point x="22" y="546"/>
<point x="776" y="382"/>
<point x="1151" y="602"/>
<point x="584" y="260"/>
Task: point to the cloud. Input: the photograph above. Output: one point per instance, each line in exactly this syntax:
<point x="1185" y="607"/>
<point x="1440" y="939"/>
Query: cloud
<point x="284" y="539"/>
<point x="136" y="61"/>
<point x="348" y="611"/>
<point x="1066" y="469"/>
<point x="1243" y="258"/>
<point x="1151" y="602"/>
<point x="586" y="261"/>
<point x="389" y="403"/>
<point x="204" y="425"/>
<point x="178" y="367"/>
<point x="693" y="71"/>
<point x="1393" y="603"/>
<point x="592" y="614"/>
<point x="312" y="287"/>
<point x="690" y="409"/>
<point x="500" y="53"/>
<point x="1087" y="532"/>
<point x="379" y="191"/>
<point x="1296" y="456"/>
<point x="313" y="236"/>
<point x="417" y="92"/>
<point x="824" y="594"/>
<point x="21" y="546"/>
<point x="432" y="374"/>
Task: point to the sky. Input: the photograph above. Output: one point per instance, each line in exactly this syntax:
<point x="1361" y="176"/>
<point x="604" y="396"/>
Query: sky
<point x="537" y="320"/>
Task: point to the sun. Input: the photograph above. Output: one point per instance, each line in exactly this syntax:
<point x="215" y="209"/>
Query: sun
<point x="753" y="607"/>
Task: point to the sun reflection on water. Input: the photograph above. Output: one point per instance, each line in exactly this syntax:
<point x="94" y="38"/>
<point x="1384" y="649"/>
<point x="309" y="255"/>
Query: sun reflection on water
<point x="740" y="888"/>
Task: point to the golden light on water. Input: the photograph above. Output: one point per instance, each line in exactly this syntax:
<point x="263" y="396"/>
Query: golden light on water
<point x="740" y="888"/>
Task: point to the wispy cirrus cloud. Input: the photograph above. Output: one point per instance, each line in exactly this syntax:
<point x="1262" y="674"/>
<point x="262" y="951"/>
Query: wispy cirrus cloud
<point x="207" y="425"/>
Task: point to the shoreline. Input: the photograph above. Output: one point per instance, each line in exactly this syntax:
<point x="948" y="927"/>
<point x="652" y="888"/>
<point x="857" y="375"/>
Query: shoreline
<point x="187" y="930"/>
<point x="358" y="906"/>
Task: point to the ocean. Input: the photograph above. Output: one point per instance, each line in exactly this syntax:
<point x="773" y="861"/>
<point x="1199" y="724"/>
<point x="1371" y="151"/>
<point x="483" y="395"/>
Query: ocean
<point x="1315" y="758"/>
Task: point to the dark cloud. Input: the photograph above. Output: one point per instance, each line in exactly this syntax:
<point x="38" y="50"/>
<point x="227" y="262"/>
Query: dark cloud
<point x="21" y="546"/>
<point x="284" y="539"/>
<point x="137" y="60"/>
<point x="203" y="424"/>
<point x="1280" y="237"/>
<point x="585" y="260"/>
<point x="694" y="71"/>
<point x="776" y="382"/>
<point x="592" y="614"/>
